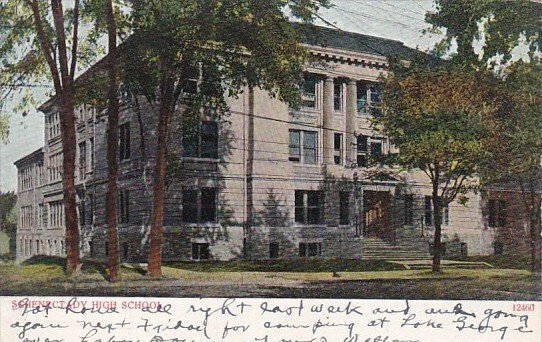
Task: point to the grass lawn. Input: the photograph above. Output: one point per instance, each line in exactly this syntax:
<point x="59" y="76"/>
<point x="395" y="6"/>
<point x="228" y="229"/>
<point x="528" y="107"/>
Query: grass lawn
<point x="502" y="261"/>
<point x="297" y="266"/>
<point x="311" y="278"/>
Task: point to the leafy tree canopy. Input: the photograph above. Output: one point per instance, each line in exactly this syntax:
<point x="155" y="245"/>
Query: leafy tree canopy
<point x="497" y="25"/>
<point x="438" y="117"/>
<point x="517" y="146"/>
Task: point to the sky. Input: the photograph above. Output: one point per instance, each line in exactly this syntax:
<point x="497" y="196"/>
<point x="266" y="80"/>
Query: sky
<point x="401" y="20"/>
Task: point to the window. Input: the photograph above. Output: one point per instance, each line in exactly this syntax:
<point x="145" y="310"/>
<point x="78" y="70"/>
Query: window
<point x="369" y="97"/>
<point x="273" y="250"/>
<point x="124" y="141"/>
<point x="303" y="147"/>
<point x="82" y="213"/>
<point x="41" y="217"/>
<point x="56" y="214"/>
<point x="338" y="95"/>
<point x="82" y="160"/>
<point x="409" y="210"/>
<point x="26" y="216"/>
<point x="124" y="206"/>
<point x="125" y="250"/>
<point x="55" y="167"/>
<point x="310" y="249"/>
<point x="309" y="91"/>
<point x="428" y="211"/>
<point x="81" y="114"/>
<point x="362" y="146"/>
<point x="308" y="207"/>
<point x="91" y="144"/>
<point x="375" y="93"/>
<point x="376" y="149"/>
<point x="200" y="251"/>
<point x="199" y="206"/>
<point x="39" y="176"/>
<point x="204" y="144"/>
<point x="337" y="148"/>
<point x="497" y="213"/>
<point x="429" y="220"/>
<point x="209" y="140"/>
<point x="192" y="76"/>
<point x="26" y="178"/>
<point x="91" y="213"/>
<point x="446" y="215"/>
<point x="344" y="208"/>
<point x="53" y="123"/>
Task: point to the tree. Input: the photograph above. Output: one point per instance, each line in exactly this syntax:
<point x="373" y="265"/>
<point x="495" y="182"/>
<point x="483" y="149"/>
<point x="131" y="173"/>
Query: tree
<point x="517" y="146"/>
<point x="436" y="116"/>
<point x="497" y="26"/>
<point x="42" y="44"/>
<point x="8" y="220"/>
<point x="238" y="44"/>
<point x="112" y="143"/>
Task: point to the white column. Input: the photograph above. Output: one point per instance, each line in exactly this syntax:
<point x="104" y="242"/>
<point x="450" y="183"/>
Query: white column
<point x="328" y="111"/>
<point x="351" y="115"/>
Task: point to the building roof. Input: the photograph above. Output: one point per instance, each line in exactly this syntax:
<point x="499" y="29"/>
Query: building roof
<point x="343" y="40"/>
<point x="36" y="155"/>
<point x="317" y="36"/>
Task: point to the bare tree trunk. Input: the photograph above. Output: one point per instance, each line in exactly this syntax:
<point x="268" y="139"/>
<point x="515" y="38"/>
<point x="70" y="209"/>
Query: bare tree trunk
<point x="56" y="57"/>
<point x="437" y="243"/>
<point x="166" y="108"/>
<point x="67" y="124"/>
<point x="112" y="147"/>
<point x="69" y="143"/>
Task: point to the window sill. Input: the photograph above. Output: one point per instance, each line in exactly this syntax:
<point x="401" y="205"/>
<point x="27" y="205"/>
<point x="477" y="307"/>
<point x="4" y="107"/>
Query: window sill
<point x="305" y="165"/>
<point x="309" y="225"/>
<point x="205" y="224"/>
<point x="200" y="160"/>
<point x="54" y="140"/>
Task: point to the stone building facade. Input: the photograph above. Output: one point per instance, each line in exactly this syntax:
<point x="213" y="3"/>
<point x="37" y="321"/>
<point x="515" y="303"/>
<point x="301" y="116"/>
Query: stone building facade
<point x="262" y="182"/>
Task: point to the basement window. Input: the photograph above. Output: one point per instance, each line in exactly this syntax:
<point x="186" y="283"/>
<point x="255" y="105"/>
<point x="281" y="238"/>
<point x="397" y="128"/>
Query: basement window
<point x="200" y="251"/>
<point x="273" y="250"/>
<point x="310" y="249"/>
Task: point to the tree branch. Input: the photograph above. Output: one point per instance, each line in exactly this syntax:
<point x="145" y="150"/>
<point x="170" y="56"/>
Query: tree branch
<point x="45" y="45"/>
<point x="75" y="39"/>
<point x="457" y="186"/>
<point x="58" y="19"/>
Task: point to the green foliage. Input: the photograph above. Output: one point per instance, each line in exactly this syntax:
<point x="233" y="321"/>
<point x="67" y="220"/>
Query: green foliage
<point x="438" y="118"/>
<point x="22" y="60"/>
<point x="518" y="144"/>
<point x="231" y="44"/>
<point x="8" y="219"/>
<point x="238" y="43"/>
<point x="497" y="25"/>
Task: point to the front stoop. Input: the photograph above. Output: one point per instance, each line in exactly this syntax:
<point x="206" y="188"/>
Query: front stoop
<point x="407" y="249"/>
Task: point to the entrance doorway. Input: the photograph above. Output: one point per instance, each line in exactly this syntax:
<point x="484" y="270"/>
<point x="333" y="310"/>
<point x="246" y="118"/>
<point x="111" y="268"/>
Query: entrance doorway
<point x="378" y="215"/>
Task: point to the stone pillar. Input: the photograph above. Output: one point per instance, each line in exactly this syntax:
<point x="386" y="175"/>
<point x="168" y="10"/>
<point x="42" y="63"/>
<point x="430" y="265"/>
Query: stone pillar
<point x="351" y="115"/>
<point x="328" y="111"/>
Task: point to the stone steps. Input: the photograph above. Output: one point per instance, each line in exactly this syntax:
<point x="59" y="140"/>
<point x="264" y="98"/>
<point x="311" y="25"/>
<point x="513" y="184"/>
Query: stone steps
<point x="408" y="249"/>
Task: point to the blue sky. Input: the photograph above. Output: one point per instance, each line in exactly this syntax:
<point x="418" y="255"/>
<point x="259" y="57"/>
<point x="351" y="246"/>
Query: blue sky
<point x="395" y="19"/>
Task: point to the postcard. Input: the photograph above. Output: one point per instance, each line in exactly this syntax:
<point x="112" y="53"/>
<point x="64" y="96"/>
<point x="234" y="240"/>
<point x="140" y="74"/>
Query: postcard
<point x="301" y="170"/>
